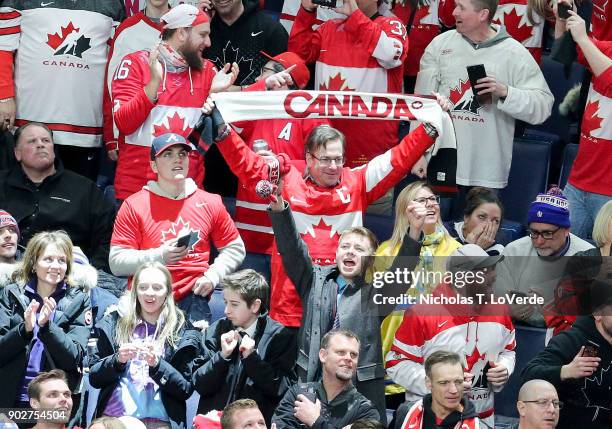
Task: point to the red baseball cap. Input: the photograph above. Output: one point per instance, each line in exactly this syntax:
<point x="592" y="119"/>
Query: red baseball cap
<point x="183" y="16"/>
<point x="300" y="74"/>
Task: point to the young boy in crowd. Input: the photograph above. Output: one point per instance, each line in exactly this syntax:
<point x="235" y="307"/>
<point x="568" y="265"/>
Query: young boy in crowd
<point x="245" y="354"/>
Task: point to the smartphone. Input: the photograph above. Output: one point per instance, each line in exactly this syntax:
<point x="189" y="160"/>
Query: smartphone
<point x="308" y="392"/>
<point x="591" y="349"/>
<point x="326" y="3"/>
<point x="563" y="10"/>
<point x="476" y="72"/>
<point x="183" y="241"/>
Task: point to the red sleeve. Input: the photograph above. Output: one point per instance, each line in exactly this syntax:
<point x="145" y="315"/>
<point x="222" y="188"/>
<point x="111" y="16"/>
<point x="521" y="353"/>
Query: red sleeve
<point x="379" y="37"/>
<point x="386" y="170"/>
<point x="445" y="13"/>
<point x="131" y="102"/>
<point x="126" y="231"/>
<point x="224" y="230"/>
<point x="244" y="163"/>
<point x="303" y="40"/>
<point x="408" y="341"/>
<point x="7" y="85"/>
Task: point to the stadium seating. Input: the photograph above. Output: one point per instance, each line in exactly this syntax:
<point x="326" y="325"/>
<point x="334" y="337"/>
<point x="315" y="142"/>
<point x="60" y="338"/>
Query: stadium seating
<point x="569" y="155"/>
<point x="529" y="342"/>
<point x="528" y="177"/>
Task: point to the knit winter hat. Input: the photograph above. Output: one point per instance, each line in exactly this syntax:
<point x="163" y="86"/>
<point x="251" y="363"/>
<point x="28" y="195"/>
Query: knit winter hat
<point x="551" y="207"/>
<point x="182" y="16"/>
<point x="7" y="220"/>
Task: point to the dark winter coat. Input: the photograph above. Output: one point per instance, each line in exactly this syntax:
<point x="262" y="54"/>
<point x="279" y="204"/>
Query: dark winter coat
<point x="173" y="373"/>
<point x="264" y="375"/>
<point x="65" y="339"/>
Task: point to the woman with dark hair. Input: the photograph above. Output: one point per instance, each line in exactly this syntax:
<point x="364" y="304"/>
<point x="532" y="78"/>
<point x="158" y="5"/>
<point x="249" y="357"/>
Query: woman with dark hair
<point x="44" y="319"/>
<point x="144" y="355"/>
<point x="482" y="217"/>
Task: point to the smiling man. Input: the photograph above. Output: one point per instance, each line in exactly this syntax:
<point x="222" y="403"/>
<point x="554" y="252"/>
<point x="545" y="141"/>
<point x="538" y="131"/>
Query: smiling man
<point x="150" y="222"/>
<point x="49" y="392"/>
<point x="43" y="196"/>
<point x="161" y="91"/>
<point x="333" y="401"/>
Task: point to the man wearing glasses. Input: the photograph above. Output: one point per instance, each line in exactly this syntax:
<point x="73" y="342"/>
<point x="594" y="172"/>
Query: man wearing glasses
<point x="533" y="265"/>
<point x="327" y="197"/>
<point x="538" y="406"/>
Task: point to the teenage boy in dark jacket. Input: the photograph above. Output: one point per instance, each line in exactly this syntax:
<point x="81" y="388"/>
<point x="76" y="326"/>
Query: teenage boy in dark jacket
<point x="246" y="354"/>
<point x="339" y="297"/>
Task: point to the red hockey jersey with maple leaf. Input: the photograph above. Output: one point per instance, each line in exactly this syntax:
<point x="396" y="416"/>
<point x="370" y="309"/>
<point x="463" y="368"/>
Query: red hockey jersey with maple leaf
<point x="321" y="214"/>
<point x="178" y="108"/>
<point x="477" y="334"/>
<point x="592" y="169"/>
<point x="355" y="54"/>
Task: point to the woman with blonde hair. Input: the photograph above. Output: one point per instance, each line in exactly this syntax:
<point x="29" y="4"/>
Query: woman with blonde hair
<point x="44" y="321"/>
<point x="437" y="243"/>
<point x="419" y="208"/>
<point x="143" y="358"/>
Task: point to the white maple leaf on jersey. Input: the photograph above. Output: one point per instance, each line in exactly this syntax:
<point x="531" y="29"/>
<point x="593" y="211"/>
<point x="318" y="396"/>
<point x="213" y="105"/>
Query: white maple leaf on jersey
<point x="602" y="401"/>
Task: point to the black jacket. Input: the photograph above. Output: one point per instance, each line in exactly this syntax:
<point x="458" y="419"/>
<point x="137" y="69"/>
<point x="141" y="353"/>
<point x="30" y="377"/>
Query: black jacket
<point x="173" y="373"/>
<point x="253" y="31"/>
<point x="264" y="376"/>
<point x="316" y="285"/>
<point x="587" y="401"/>
<point x="341" y="411"/>
<point x="65" y="339"/>
<point x="64" y="200"/>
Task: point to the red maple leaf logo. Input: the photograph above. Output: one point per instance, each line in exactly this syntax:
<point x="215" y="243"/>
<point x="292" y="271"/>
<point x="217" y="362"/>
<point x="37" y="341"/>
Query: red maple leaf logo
<point x="472" y="359"/>
<point x="56" y="39"/>
<point x="591" y="120"/>
<point x="512" y="21"/>
<point x="457" y="93"/>
<point x="176" y="124"/>
<point x="336" y="83"/>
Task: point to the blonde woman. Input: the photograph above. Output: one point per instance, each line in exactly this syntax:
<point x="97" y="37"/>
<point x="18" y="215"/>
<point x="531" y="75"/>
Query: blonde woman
<point x="144" y="354"/>
<point x="436" y="245"/>
<point x="44" y="322"/>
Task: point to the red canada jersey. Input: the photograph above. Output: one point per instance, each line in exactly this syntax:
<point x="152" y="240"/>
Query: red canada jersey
<point x="355" y="54"/>
<point x="147" y="220"/>
<point x="513" y="14"/>
<point x="426" y="25"/>
<point x="283" y="136"/>
<point x="601" y="20"/>
<point x="178" y="108"/>
<point x="322" y="214"/>
<point x="592" y="169"/>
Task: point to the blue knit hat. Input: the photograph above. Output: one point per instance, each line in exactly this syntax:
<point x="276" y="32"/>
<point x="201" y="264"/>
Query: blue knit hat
<point x="551" y="207"/>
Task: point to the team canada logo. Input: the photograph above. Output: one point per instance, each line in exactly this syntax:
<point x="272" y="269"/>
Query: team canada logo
<point x="180" y="228"/>
<point x="233" y="55"/>
<point x="172" y="124"/>
<point x="463" y="98"/>
<point x="69" y="41"/>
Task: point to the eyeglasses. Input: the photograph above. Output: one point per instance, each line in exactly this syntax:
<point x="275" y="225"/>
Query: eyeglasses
<point x="434" y="199"/>
<point x="328" y="161"/>
<point x="546" y="235"/>
<point x="265" y="69"/>
<point x="545" y="403"/>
